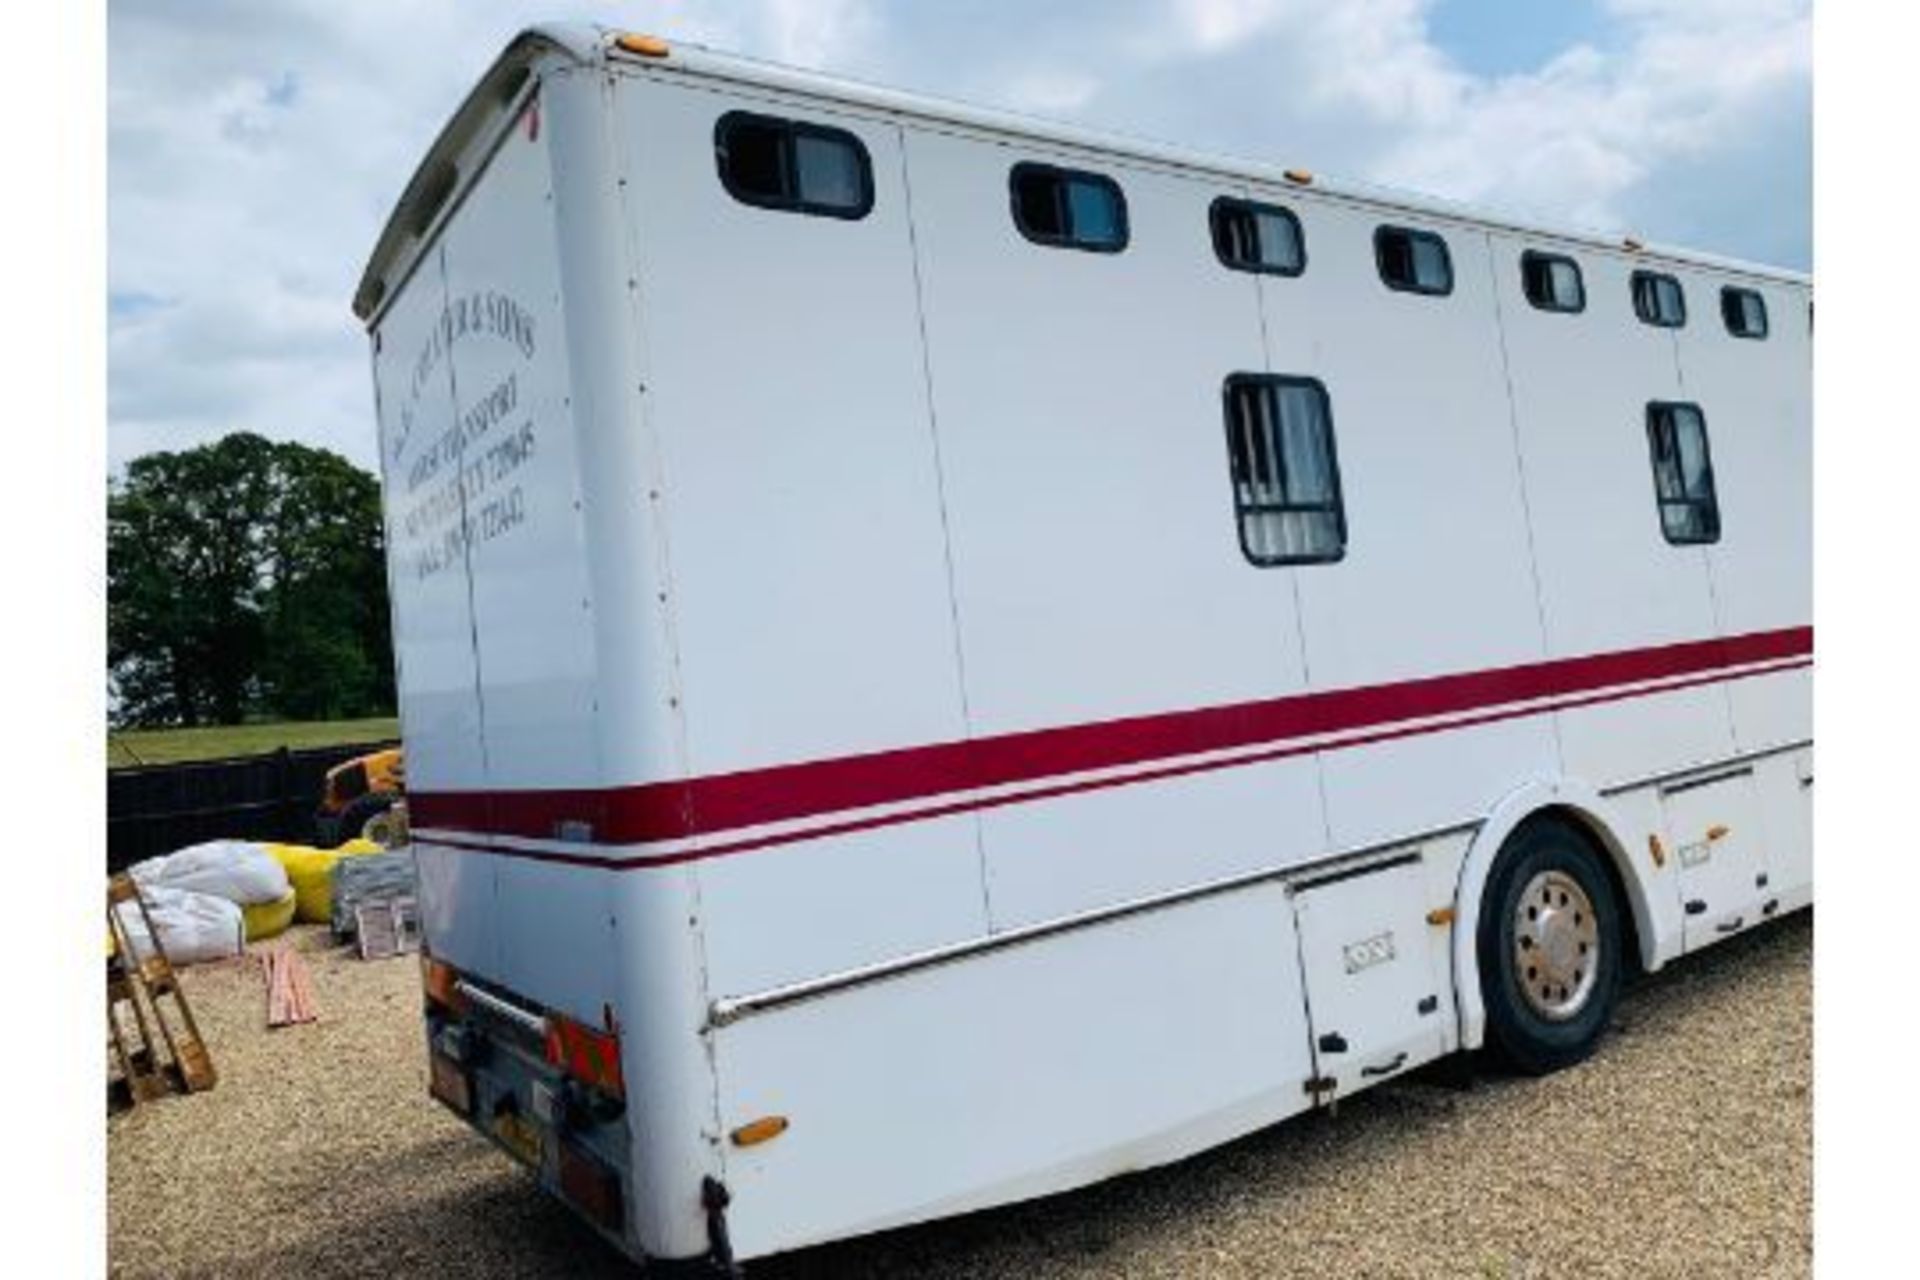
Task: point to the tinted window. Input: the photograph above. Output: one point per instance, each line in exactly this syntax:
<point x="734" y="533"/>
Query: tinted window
<point x="1658" y="299"/>
<point x="830" y="171"/>
<point x="1413" y="261"/>
<point x="1553" y="282"/>
<point x="788" y="164"/>
<point x="1068" y="208"/>
<point x="1745" y="313"/>
<point x="1257" y="237"/>
<point x="1286" y="477"/>
<point x="1683" y="473"/>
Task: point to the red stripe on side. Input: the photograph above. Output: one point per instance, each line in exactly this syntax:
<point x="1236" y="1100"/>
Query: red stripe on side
<point x="1096" y="784"/>
<point x="723" y="802"/>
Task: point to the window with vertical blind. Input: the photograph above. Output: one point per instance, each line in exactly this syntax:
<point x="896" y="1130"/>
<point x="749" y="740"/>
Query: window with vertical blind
<point x="1264" y="238"/>
<point x="1286" y="474"/>
<point x="1552" y="282"/>
<point x="1659" y="300"/>
<point x="1744" y="311"/>
<point x="1683" y="473"/>
<point x="1413" y="261"/>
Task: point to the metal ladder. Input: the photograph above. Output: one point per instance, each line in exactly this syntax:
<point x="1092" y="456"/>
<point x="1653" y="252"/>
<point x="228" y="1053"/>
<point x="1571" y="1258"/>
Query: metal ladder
<point x="136" y="986"/>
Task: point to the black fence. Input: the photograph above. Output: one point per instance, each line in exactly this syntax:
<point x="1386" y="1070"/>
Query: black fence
<point x="155" y="809"/>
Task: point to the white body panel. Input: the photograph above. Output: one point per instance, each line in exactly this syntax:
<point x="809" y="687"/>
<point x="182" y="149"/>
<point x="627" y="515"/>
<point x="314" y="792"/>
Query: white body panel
<point x="1071" y="606"/>
<point x="1372" y="991"/>
<point x="1720" y="845"/>
<point x="800" y="634"/>
<point x="747" y="385"/>
<point x="432" y="612"/>
<point x="1014" y="1086"/>
<point x="851" y="690"/>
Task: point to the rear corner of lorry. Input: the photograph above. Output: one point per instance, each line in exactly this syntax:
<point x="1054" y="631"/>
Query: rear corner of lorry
<point x="562" y="1001"/>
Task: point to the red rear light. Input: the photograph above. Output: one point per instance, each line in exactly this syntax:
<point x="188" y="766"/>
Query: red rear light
<point x="589" y="1056"/>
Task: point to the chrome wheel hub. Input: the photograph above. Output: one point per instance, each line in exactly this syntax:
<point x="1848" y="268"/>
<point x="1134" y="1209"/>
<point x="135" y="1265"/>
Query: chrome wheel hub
<point x="1556" y="945"/>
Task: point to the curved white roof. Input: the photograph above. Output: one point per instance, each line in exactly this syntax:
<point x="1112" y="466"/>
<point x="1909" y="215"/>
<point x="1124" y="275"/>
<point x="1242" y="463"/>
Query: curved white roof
<point x="459" y="152"/>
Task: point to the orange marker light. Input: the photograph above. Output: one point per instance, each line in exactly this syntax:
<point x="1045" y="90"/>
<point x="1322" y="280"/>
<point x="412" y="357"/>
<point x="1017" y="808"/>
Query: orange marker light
<point x="1658" y="850"/>
<point x="1299" y="177"/>
<point x="438" y="981"/>
<point x="1719" y="831"/>
<point x="645" y="46"/>
<point x="754" y="1132"/>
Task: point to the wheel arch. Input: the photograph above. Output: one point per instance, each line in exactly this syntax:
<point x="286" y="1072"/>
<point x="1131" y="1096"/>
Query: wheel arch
<point x="1583" y="806"/>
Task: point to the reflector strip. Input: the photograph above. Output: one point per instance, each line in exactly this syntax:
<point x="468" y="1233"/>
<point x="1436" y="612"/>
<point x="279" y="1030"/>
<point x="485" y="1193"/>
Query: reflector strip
<point x="592" y="1057"/>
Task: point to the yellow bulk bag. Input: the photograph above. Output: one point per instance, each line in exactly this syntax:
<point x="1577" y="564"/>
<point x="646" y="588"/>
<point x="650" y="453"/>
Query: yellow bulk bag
<point x="269" y="919"/>
<point x="310" y="871"/>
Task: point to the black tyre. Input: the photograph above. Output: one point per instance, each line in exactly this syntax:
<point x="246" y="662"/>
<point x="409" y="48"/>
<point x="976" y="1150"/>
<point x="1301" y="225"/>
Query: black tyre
<point x="336" y="829"/>
<point x="1550" y="945"/>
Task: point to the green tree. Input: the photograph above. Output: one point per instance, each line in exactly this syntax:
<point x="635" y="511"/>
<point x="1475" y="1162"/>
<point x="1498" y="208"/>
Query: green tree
<point x="246" y="578"/>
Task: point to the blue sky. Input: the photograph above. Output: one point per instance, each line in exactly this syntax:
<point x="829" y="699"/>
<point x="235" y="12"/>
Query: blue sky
<point x="1507" y="37"/>
<point x="255" y="149"/>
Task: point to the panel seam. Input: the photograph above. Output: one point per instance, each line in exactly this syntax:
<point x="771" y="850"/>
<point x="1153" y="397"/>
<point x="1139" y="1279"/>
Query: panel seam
<point x="1520" y="476"/>
<point x="940" y="493"/>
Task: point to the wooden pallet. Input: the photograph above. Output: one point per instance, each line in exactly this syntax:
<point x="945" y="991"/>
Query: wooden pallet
<point x="141" y="1077"/>
<point x="289" y="988"/>
<point x="387" y="928"/>
<point x="136" y="988"/>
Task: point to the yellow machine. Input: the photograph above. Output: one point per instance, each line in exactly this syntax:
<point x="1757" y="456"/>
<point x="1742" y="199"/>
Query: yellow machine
<point x="365" y="798"/>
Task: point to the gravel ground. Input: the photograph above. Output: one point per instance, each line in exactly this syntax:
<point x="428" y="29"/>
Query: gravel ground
<point x="1684" y="1148"/>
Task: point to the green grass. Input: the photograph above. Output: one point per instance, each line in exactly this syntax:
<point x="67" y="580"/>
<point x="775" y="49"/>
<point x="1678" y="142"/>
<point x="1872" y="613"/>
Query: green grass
<point x="172" y="746"/>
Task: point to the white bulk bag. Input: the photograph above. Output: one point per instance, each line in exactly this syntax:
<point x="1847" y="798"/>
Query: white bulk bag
<point x="192" y="926"/>
<point x="241" y="871"/>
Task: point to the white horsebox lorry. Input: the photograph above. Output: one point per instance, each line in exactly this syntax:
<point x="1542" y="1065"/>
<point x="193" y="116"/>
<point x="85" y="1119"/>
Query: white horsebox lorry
<point x="944" y="658"/>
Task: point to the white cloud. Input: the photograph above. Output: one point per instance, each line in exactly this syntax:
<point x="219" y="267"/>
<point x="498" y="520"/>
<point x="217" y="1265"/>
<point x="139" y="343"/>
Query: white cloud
<point x="1217" y="24"/>
<point x="816" y="33"/>
<point x="1050" y="90"/>
<point x="1585" y="135"/>
<point x="254" y="150"/>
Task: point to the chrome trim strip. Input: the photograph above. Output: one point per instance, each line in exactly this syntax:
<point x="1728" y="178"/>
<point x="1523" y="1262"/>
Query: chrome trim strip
<point x="1695" y="774"/>
<point x="493" y="1004"/>
<point x="730" y="1009"/>
<point x="1699" y="780"/>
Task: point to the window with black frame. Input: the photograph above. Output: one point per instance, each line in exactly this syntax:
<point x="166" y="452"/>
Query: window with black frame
<point x="1683" y="473"/>
<point x="1413" y="261"/>
<point x="1068" y="208"/>
<point x="1659" y="300"/>
<point x="1552" y="282"/>
<point x="1286" y="474"/>
<point x="790" y="165"/>
<point x="1744" y="311"/>
<point x="1263" y="238"/>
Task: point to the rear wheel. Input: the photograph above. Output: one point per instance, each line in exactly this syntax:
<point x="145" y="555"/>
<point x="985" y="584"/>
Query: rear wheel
<point x="1549" y="942"/>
